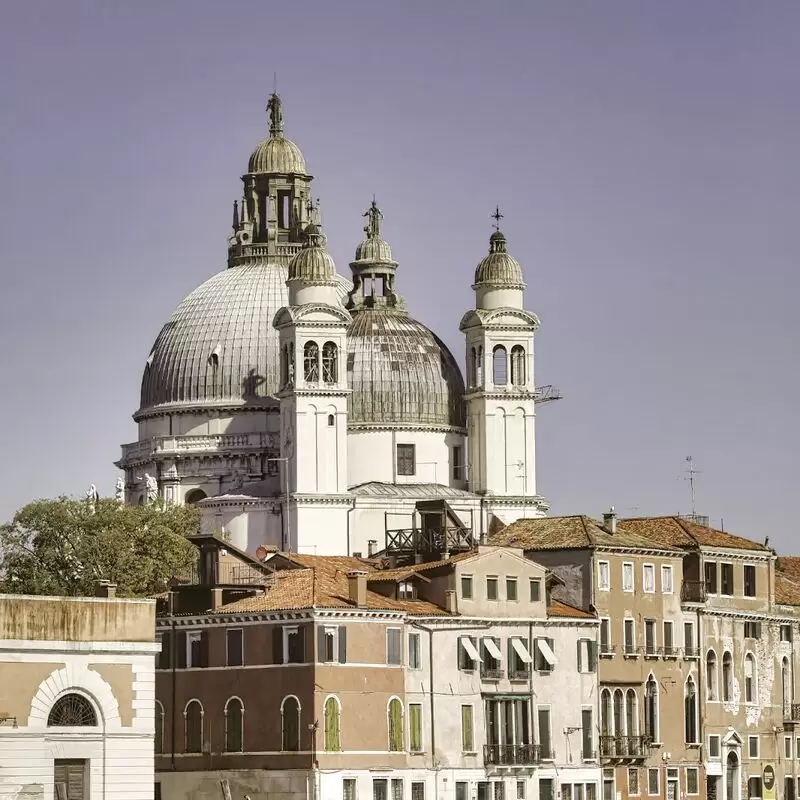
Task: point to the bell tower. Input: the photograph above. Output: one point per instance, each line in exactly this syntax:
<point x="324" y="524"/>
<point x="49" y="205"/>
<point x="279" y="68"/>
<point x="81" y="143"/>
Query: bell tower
<point x="500" y="393"/>
<point x="313" y="400"/>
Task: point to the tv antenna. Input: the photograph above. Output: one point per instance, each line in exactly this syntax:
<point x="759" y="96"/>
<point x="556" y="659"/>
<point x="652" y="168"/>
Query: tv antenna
<point x="691" y="472"/>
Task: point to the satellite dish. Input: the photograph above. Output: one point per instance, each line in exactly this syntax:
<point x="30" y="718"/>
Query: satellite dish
<point x="262" y="553"/>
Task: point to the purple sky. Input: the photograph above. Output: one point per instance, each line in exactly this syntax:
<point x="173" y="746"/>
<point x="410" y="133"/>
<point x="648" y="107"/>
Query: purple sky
<point x="645" y="156"/>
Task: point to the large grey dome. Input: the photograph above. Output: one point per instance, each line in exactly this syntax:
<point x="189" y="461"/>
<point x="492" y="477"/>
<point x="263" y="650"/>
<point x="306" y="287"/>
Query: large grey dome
<point x="219" y="346"/>
<point x="399" y="372"/>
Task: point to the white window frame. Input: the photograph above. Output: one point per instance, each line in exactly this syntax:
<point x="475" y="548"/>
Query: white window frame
<point x="400" y="638"/>
<point x="630" y="568"/>
<point x="750" y="657"/>
<point x="607" y="586"/>
<point x="696" y="771"/>
<point x="716" y="736"/>
<point x="286" y="630"/>
<point x="651" y="624"/>
<point x="751" y="739"/>
<point x="658" y="790"/>
<point x="626" y="651"/>
<point x="666" y="569"/>
<point x="421" y="728"/>
<point x="668" y="623"/>
<point x="515" y="580"/>
<point x="471" y="580"/>
<point x="610" y="643"/>
<point x="638" y="781"/>
<point x="227" y="652"/>
<point x="192" y="636"/>
<point x="787" y="747"/>
<point x="418" y="638"/>
<point x="649" y="568"/>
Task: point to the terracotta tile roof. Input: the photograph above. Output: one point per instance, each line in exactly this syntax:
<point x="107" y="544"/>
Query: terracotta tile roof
<point x="684" y="534"/>
<point x="787" y="589"/>
<point x="562" y="533"/>
<point x="790" y="566"/>
<point x="560" y="609"/>
<point x="402" y="573"/>
<point x="321" y="582"/>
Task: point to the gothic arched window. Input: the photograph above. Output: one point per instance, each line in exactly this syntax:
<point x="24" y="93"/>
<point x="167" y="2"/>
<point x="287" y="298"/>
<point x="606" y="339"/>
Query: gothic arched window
<point x="311" y="362"/>
<point x="479" y="367"/>
<point x="727" y="676"/>
<point x="234" y="725"/>
<point x="284" y="365"/>
<point x="651" y="709"/>
<point x="72" y="710"/>
<point x="332" y="725"/>
<point x="395" y="719"/>
<point x="329" y="362"/>
<point x="711" y="675"/>
<point x="605" y="713"/>
<point x="750" y="678"/>
<point x="631" y="713"/>
<point x="499" y="366"/>
<point x="619" y="719"/>
<point x="518" y="365"/>
<point x="290" y="723"/>
<point x="193" y="726"/>
<point x="690" y="711"/>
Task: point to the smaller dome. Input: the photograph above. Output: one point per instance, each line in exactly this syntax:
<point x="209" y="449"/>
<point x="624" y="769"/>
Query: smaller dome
<point x="313" y="264"/>
<point x="499" y="268"/>
<point x="374" y="250"/>
<point x="277" y="154"/>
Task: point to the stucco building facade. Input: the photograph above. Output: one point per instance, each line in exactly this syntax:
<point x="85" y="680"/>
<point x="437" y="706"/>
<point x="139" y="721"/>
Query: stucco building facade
<point x="77" y="688"/>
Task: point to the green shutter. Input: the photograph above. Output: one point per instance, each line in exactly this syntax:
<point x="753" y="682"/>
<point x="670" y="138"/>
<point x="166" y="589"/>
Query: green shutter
<point x="415" y="728"/>
<point x="580" y="664"/>
<point x="332" y="742"/>
<point x="320" y="643"/>
<point x="395" y="726"/>
<point x="342" y="644"/>
<point x="466" y="729"/>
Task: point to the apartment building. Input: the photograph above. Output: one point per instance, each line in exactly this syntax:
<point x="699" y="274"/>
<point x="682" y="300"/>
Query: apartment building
<point x="648" y="648"/>
<point x="458" y="678"/>
<point x="748" y="626"/>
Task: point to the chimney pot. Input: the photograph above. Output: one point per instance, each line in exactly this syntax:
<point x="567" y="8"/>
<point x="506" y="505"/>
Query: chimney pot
<point x="451" y="601"/>
<point x="610" y="520"/>
<point x="357" y="587"/>
<point x="372" y="547"/>
<point x="105" y="589"/>
<point x="216" y="598"/>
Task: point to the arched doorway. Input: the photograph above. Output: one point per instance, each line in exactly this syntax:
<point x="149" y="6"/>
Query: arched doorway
<point x="732" y="777"/>
<point x="195" y="496"/>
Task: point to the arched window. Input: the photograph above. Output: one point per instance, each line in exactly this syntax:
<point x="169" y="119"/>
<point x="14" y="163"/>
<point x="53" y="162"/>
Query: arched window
<point x="311" y="362"/>
<point x="786" y="686"/>
<point x="193" y="726"/>
<point x="619" y="713"/>
<point x="472" y="368"/>
<point x="605" y="713"/>
<point x="518" y="365"/>
<point x="158" y="745"/>
<point x="234" y="725"/>
<point x="690" y="711"/>
<point x="479" y="367"/>
<point x="750" y="678"/>
<point x="499" y="366"/>
<point x="331" y="421"/>
<point x="727" y="676"/>
<point x="72" y="710"/>
<point x="631" y="713"/>
<point x="329" y="362"/>
<point x="333" y="742"/>
<point x="284" y="365"/>
<point x="651" y="709"/>
<point x="711" y="676"/>
<point x="195" y="496"/>
<point x="395" y="715"/>
<point x="290" y="723"/>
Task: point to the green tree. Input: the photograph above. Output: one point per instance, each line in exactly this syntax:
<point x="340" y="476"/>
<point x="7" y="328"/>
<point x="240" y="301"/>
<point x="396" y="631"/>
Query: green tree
<point x="63" y="546"/>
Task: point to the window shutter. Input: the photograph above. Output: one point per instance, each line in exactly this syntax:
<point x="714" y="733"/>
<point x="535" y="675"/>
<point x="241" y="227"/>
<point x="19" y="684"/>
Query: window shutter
<point x="301" y="632"/>
<point x="180" y="645"/>
<point x="511" y="654"/>
<point x="320" y="643"/>
<point x="204" y="649"/>
<point x="592" y="656"/>
<point x="580" y="660"/>
<point x="277" y="645"/>
<point x="758" y="630"/>
<point x="342" y="644"/>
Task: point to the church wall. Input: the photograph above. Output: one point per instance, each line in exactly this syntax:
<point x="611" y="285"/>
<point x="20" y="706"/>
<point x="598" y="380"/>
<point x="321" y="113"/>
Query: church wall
<point x="246" y="527"/>
<point x="372" y="456"/>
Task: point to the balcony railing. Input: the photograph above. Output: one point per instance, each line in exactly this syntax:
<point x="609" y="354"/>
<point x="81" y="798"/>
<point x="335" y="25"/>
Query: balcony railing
<point x="519" y="674"/>
<point x="228" y="574"/>
<point x="630" y="649"/>
<point x="607" y="649"/>
<point x="670" y="651"/>
<point x="791" y="712"/>
<point x="690" y="651"/>
<point x="490" y="674"/>
<point x="694" y="591"/>
<point x="512" y="754"/>
<point x="624" y="747"/>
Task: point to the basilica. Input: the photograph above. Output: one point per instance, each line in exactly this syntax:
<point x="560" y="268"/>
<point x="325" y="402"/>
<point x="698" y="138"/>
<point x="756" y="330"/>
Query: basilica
<point x="309" y="412"/>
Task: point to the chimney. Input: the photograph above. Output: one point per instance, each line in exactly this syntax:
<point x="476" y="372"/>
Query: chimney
<point x="357" y="554"/>
<point x="216" y="599"/>
<point x="372" y="547"/>
<point x="357" y="587"/>
<point x="451" y="601"/>
<point x="418" y="558"/>
<point x="105" y="589"/>
<point x="610" y="520"/>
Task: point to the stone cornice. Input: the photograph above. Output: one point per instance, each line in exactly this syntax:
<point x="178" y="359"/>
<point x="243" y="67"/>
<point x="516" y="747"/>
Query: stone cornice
<point x="404" y="426"/>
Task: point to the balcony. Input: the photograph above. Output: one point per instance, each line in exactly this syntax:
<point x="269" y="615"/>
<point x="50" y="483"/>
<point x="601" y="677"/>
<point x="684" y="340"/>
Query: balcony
<point x="624" y="748"/>
<point x="491" y="674"/>
<point x="694" y="592"/>
<point x="519" y="674"/>
<point x="690" y="651"/>
<point x="511" y="755"/>
<point x="607" y="650"/>
<point x="791" y="713"/>
<point x="669" y="651"/>
<point x="171" y="446"/>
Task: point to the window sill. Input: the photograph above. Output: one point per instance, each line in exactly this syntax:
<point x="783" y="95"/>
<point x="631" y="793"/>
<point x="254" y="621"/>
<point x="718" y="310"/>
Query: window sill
<point x="693" y="745"/>
<point x="470" y="753"/>
<point x="651" y="656"/>
<point x="631" y="655"/>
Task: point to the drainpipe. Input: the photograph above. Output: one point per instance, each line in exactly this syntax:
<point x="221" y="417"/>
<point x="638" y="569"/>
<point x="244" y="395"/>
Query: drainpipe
<point x="349" y="511"/>
<point x="701" y="687"/>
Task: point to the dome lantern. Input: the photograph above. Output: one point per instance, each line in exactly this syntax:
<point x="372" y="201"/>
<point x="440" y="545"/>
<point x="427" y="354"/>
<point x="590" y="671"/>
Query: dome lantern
<point x="498" y="277"/>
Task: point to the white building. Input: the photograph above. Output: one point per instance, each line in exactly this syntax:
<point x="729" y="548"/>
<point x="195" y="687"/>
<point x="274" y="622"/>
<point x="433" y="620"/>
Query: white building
<point x="280" y="383"/>
<point x="77" y="696"/>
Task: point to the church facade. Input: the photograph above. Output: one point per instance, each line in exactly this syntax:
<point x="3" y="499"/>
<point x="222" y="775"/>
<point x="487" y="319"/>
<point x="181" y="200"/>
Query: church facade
<point x="311" y="412"/>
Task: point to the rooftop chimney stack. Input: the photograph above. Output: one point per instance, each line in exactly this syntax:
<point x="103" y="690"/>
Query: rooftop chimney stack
<point x="105" y="589"/>
<point x="610" y="520"/>
<point x="357" y="588"/>
<point x="372" y="547"/>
